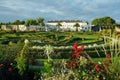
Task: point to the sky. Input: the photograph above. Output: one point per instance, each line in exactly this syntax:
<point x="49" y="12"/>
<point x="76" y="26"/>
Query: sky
<point x="85" y="10"/>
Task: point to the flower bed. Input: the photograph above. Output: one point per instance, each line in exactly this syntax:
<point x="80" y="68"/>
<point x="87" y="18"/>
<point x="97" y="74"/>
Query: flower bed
<point x="79" y="66"/>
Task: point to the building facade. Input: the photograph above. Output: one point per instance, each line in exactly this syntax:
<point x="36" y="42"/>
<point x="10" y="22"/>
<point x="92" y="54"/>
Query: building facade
<point x="69" y="25"/>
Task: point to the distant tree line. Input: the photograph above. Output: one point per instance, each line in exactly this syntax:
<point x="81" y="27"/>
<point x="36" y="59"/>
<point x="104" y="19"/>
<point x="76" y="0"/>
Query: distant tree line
<point x="39" y="21"/>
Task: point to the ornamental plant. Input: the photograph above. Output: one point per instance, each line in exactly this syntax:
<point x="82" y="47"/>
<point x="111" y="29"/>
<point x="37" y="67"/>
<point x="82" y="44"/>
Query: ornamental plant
<point x="78" y="67"/>
<point x="47" y="64"/>
<point x="21" y="58"/>
<point x="76" y="56"/>
<point x="112" y="60"/>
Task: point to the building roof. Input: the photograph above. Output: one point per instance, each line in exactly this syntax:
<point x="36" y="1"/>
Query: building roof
<point x="56" y="21"/>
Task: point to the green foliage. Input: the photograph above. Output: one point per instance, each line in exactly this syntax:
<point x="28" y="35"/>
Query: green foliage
<point x="41" y="21"/>
<point x="30" y="22"/>
<point x="115" y="52"/>
<point x="47" y="64"/>
<point x="59" y="24"/>
<point x="48" y="50"/>
<point x="21" y="59"/>
<point x="47" y="67"/>
<point x="112" y="42"/>
<point x="103" y="21"/>
<point x="18" y="22"/>
<point x="27" y="22"/>
<point x="21" y="64"/>
<point x="77" y="25"/>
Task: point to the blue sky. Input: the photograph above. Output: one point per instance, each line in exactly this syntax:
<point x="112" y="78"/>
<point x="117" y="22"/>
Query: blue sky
<point x="86" y="10"/>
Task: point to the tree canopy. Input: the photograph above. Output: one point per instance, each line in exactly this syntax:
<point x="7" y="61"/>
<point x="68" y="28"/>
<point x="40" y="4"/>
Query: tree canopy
<point x="17" y="22"/>
<point x="58" y="24"/>
<point x="40" y="21"/>
<point x="103" y="21"/>
<point x="77" y="25"/>
<point x="31" y="22"/>
<point x="28" y="22"/>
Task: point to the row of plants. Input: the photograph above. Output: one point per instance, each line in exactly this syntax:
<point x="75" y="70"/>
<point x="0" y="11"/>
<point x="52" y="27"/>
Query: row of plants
<point x="49" y="37"/>
<point x="79" y="66"/>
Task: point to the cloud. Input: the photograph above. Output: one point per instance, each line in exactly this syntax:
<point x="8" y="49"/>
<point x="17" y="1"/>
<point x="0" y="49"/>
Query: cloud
<point x="57" y="9"/>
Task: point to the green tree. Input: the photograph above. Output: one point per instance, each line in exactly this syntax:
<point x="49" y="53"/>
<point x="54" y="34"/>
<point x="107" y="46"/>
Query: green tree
<point x="40" y="21"/>
<point x="27" y="22"/>
<point x="58" y="25"/>
<point x="22" y="22"/>
<point x="104" y="22"/>
<point x="77" y="25"/>
<point x="17" y="22"/>
<point x="87" y="22"/>
<point x="30" y="22"/>
<point x="0" y="25"/>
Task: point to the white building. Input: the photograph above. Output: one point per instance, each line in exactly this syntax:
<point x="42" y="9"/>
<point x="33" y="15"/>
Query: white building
<point x="68" y="25"/>
<point x="22" y="27"/>
<point x="3" y="27"/>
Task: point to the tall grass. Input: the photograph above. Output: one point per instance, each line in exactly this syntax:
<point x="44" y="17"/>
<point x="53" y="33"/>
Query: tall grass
<point x="112" y="46"/>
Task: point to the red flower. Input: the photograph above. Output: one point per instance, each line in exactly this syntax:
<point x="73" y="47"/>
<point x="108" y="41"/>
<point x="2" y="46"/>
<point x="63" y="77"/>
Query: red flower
<point x="97" y="68"/>
<point x="77" y="50"/>
<point x="81" y="48"/>
<point x="108" y="56"/>
<point x="72" y="64"/>
<point x="75" y="46"/>
<point x="107" y="61"/>
<point x="76" y="55"/>
<point x="9" y="69"/>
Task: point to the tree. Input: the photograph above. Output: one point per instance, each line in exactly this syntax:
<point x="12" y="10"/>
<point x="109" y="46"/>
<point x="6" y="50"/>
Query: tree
<point x="22" y="22"/>
<point x="42" y="24"/>
<point x="104" y="22"/>
<point x="30" y="22"/>
<point x="0" y="25"/>
<point x="40" y="21"/>
<point x="27" y="22"/>
<point x="77" y="25"/>
<point x="87" y="22"/>
<point x="17" y="22"/>
<point x="58" y="25"/>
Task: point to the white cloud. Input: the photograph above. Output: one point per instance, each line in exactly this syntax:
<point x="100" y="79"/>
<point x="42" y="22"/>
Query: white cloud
<point x="59" y="9"/>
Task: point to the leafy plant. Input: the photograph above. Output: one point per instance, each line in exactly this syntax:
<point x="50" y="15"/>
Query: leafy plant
<point x="21" y="59"/>
<point x="21" y="64"/>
